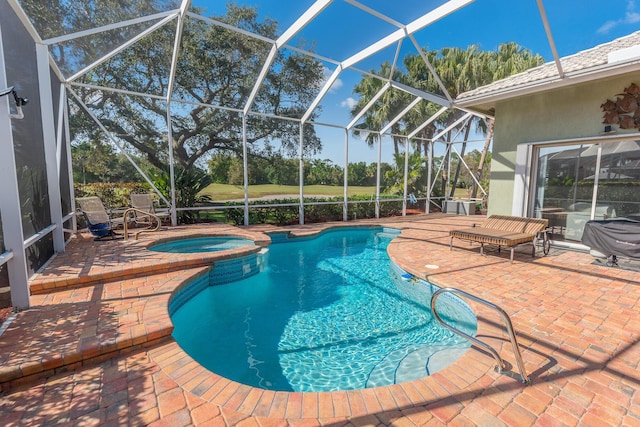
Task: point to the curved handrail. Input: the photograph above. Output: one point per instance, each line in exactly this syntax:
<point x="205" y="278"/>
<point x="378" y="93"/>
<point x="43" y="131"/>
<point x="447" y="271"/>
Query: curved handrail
<point x="512" y="337"/>
<point x="143" y="230"/>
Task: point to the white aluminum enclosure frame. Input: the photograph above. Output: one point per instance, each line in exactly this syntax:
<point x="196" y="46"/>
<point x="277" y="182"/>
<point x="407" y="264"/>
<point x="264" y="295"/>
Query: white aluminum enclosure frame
<point x="395" y="37"/>
<point x="14" y="257"/>
<point x="54" y="151"/>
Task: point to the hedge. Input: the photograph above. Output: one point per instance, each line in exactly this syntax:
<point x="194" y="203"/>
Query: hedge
<point x="113" y="195"/>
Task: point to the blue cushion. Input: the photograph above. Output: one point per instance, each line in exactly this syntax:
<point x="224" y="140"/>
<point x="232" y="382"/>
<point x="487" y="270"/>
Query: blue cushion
<point x="100" y="230"/>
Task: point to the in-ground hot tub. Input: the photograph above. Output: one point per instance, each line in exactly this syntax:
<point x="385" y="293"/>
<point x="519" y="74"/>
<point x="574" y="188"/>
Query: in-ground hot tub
<point x="202" y="244"/>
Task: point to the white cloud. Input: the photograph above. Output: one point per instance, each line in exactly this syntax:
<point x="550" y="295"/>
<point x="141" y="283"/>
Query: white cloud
<point x="607" y="26"/>
<point x="349" y="102"/>
<point x="336" y="84"/>
<point x="630" y="17"/>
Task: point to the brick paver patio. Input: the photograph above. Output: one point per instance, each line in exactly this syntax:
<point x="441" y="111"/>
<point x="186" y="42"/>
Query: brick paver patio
<point x="95" y="348"/>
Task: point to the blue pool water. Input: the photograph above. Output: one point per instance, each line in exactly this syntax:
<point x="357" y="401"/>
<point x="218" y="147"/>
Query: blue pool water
<point x="201" y="244"/>
<point x="321" y="314"/>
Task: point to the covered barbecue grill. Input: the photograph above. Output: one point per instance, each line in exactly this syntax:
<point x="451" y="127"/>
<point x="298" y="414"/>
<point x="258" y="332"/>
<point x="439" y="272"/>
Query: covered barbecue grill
<point x="613" y="238"/>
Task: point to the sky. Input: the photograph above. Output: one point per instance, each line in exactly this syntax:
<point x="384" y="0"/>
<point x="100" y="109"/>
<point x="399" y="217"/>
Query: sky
<point x="342" y="30"/>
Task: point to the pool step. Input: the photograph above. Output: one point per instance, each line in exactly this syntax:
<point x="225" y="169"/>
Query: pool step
<point x="387" y="235"/>
<point x="413" y="362"/>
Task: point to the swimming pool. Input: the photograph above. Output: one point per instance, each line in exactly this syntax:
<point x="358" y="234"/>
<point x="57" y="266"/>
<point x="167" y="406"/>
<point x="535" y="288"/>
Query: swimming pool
<point x="318" y="314"/>
<point x="201" y="244"/>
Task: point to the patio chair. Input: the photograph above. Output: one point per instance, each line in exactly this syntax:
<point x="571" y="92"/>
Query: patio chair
<point x="99" y="222"/>
<point x="144" y="203"/>
<point x="507" y="231"/>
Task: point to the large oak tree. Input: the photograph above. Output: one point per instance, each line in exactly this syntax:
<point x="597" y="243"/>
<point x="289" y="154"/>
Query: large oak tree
<point x="216" y="67"/>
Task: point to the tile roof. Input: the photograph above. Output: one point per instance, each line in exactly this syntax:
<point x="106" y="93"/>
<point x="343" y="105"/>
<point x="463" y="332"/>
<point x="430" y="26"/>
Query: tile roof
<point x="596" y="57"/>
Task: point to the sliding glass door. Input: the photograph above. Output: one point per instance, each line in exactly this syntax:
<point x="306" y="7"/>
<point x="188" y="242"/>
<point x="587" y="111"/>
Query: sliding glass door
<point x="563" y="194"/>
<point x="568" y="177"/>
<point x="619" y="179"/>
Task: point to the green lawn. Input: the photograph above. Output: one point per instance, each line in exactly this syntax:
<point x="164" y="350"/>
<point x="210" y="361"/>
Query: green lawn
<point x="227" y="192"/>
<point x="231" y="192"/>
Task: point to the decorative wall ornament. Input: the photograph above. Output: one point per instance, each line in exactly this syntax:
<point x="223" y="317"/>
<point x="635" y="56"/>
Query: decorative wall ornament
<point x="625" y="110"/>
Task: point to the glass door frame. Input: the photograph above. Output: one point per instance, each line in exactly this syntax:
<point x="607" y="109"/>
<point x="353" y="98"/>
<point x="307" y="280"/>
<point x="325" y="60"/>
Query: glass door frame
<point x="526" y="167"/>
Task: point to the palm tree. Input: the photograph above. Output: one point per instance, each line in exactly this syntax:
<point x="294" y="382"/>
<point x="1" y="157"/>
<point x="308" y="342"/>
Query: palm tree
<point x="463" y="70"/>
<point x="456" y="69"/>
<point x="385" y="109"/>
<point x="394" y="177"/>
<point x="459" y="70"/>
<point x="509" y="59"/>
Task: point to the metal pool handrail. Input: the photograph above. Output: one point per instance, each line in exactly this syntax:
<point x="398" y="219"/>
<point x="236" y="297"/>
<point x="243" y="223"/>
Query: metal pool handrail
<point x="512" y="336"/>
<point x="143" y="230"/>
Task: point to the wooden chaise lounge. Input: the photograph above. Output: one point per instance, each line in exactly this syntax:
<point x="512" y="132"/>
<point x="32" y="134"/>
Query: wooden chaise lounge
<point x="503" y="230"/>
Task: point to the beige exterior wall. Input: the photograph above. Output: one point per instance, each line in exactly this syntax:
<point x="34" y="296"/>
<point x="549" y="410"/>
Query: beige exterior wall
<point x="572" y="112"/>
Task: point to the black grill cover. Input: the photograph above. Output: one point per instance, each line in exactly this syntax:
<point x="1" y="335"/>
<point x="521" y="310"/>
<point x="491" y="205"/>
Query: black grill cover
<point x="619" y="237"/>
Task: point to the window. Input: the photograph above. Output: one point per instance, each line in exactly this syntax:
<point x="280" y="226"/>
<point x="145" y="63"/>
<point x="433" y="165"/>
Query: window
<point x="569" y="176"/>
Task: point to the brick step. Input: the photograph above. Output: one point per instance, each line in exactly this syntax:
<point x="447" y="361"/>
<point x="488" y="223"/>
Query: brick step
<point x="77" y="329"/>
<point x="172" y="262"/>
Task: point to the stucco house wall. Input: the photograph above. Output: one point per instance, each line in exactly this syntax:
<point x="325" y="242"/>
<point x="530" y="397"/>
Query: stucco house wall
<point x="565" y="113"/>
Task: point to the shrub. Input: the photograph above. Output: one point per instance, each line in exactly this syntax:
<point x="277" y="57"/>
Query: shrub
<point x="113" y="195"/>
<point x="188" y="185"/>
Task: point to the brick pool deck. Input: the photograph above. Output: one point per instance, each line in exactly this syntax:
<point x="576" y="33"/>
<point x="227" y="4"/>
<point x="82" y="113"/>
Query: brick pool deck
<point x="95" y="347"/>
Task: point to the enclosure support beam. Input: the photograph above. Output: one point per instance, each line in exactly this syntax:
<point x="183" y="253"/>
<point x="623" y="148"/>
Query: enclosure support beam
<point x="325" y="89"/>
<point x="473" y="175"/>
<point x="440" y="168"/>
<point x="10" y="203"/>
<point x="427" y="123"/>
<point x="345" y="207"/>
<point x="420" y="23"/>
<point x="172" y="78"/>
<point x="450" y="146"/>
<point x="67" y="133"/>
<point x="427" y="96"/>
<point x="448" y="171"/>
<point x="26" y="22"/>
<point x="366" y="108"/>
<point x="301" y="220"/>
<point x="452" y="126"/>
<point x="245" y="169"/>
<point x="596" y="179"/>
<point x="378" y="176"/>
<point x="313" y="11"/>
<point x="406" y="176"/>
<point x="552" y="44"/>
<point x="172" y="175"/>
<point x="429" y="149"/>
<point x="104" y="28"/>
<point x="60" y="142"/>
<point x="374" y="13"/>
<point x="395" y="120"/>
<point x="49" y="140"/>
<point x="431" y="69"/>
<point x="122" y="47"/>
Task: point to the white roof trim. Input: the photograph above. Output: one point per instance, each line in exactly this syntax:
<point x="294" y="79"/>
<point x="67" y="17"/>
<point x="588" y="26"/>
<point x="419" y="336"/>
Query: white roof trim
<point x="626" y="54"/>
